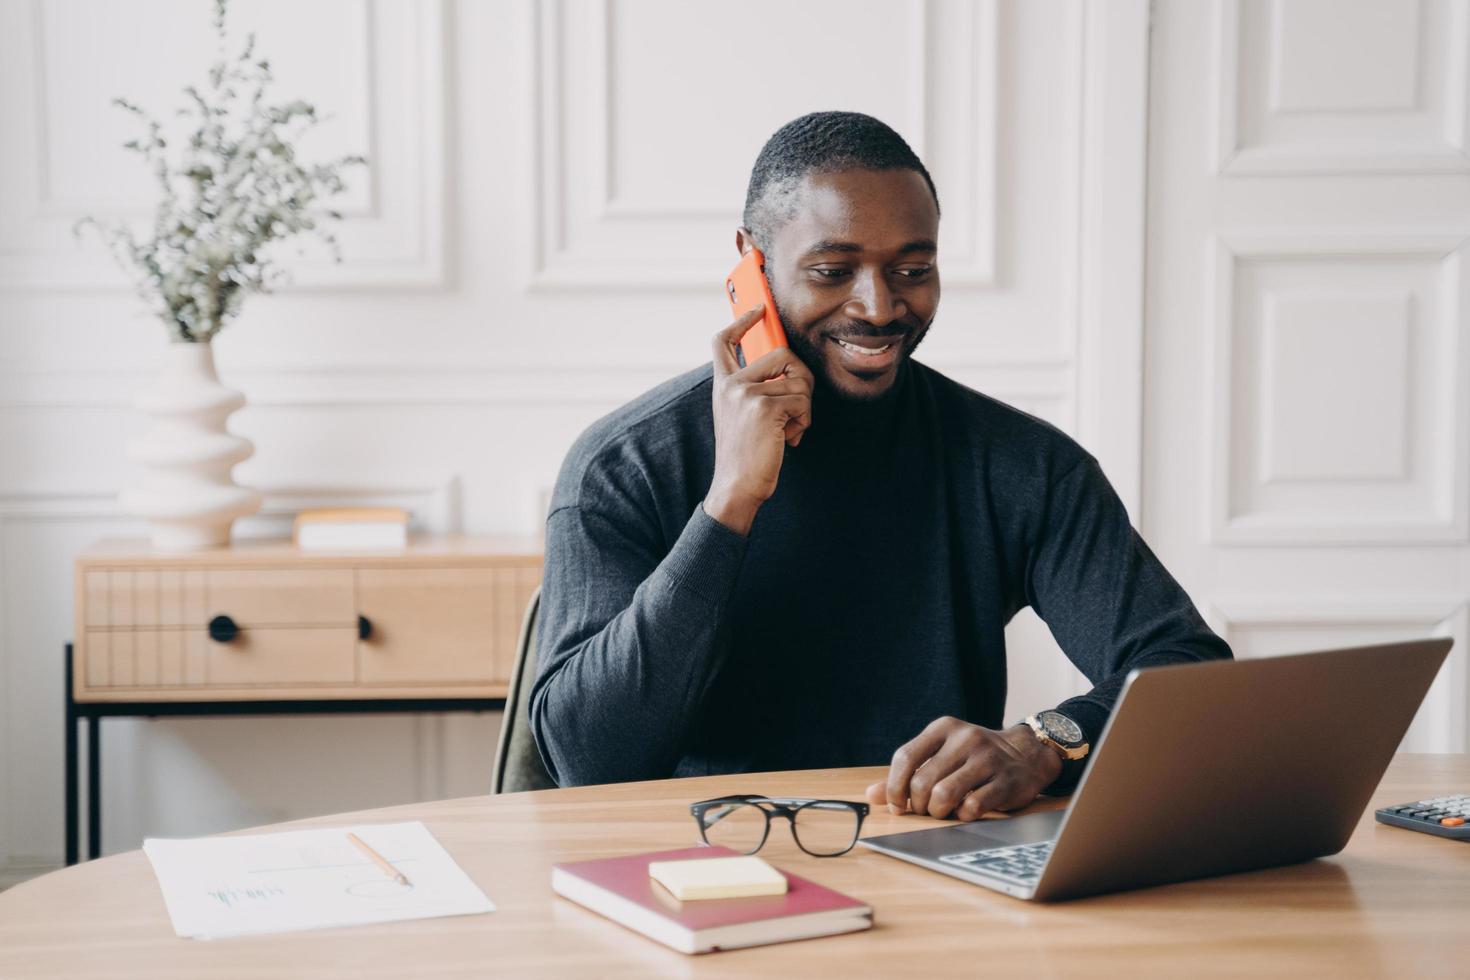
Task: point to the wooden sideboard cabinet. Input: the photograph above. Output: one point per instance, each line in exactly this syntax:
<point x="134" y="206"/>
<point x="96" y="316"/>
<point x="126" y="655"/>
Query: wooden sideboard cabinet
<point x="262" y="619"/>
<point x="261" y="627"/>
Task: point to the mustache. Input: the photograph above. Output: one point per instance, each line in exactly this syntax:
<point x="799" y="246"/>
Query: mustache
<point x="862" y="330"/>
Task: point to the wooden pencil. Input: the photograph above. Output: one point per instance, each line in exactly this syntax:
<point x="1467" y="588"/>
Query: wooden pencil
<point x="378" y="859"/>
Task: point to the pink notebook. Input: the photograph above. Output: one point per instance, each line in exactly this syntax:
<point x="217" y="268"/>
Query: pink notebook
<point x="620" y="889"/>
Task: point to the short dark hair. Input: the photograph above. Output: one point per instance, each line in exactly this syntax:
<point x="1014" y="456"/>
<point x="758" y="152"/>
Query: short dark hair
<point x="820" y="143"/>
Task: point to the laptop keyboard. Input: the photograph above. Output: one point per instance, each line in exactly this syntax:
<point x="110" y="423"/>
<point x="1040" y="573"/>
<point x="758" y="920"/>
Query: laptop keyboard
<point x="1019" y="863"/>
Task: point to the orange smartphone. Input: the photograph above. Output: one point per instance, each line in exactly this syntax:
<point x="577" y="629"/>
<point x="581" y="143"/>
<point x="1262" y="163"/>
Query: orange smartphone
<point x="746" y="287"/>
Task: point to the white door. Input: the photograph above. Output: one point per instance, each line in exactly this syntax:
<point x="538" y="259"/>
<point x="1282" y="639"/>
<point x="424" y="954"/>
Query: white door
<point x="1306" y="414"/>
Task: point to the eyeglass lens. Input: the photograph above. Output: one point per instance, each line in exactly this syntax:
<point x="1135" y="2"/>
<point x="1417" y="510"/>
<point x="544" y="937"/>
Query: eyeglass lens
<point x="738" y="826"/>
<point x="824" y="828"/>
<point x="820" y="829"/>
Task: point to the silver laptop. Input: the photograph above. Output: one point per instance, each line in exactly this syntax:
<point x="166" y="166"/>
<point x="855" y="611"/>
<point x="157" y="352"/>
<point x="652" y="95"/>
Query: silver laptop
<point x="1204" y="769"/>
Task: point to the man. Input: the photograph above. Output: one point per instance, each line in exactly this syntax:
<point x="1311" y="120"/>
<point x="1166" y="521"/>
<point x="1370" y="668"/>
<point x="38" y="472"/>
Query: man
<point x="809" y="561"/>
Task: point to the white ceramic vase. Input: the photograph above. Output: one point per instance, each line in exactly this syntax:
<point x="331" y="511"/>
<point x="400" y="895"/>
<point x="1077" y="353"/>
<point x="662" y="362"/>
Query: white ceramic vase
<point x="186" y="455"/>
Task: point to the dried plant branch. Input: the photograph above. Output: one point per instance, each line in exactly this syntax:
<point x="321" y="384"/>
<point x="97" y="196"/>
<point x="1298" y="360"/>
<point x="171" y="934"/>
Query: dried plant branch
<point x="234" y="189"/>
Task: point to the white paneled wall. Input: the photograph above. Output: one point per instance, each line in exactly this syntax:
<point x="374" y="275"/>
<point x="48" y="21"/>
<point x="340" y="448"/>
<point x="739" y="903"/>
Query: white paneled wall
<point x="1308" y="460"/>
<point x="550" y="210"/>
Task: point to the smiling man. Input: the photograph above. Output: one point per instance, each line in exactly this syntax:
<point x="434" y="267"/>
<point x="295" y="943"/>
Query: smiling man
<point x="809" y="561"/>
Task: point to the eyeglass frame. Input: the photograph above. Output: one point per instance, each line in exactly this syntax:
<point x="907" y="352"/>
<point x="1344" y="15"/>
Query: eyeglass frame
<point x="780" y="806"/>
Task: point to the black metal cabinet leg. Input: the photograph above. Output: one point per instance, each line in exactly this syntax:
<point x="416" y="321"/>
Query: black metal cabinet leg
<point x="94" y="786"/>
<point x="71" y="766"/>
<point x="93" y="712"/>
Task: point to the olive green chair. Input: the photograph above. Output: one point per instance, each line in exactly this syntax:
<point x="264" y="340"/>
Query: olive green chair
<point x="518" y="764"/>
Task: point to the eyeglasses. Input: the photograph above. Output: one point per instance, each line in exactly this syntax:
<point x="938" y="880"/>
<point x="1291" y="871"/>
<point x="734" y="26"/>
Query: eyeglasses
<point x="822" y="828"/>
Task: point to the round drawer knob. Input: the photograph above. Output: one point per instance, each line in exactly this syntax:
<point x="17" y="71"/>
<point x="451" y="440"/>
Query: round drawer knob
<point x="222" y="629"/>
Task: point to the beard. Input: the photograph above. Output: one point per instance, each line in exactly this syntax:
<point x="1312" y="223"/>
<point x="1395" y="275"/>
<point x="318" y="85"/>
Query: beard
<point x="808" y="346"/>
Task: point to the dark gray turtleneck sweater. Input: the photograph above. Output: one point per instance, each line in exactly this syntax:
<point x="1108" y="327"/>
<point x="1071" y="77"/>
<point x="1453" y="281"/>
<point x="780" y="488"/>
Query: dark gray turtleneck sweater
<point x="869" y="598"/>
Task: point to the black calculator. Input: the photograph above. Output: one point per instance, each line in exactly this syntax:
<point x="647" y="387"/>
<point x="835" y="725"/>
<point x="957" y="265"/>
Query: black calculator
<point x="1442" y="816"/>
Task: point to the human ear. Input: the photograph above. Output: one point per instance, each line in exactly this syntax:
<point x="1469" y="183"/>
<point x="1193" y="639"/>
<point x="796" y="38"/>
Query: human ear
<point x="744" y="239"/>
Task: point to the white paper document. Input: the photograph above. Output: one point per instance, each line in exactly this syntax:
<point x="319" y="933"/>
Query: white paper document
<point x="308" y="879"/>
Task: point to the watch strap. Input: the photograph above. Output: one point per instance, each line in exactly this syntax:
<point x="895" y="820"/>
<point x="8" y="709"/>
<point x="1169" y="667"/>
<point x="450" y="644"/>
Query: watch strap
<point x="1069" y="753"/>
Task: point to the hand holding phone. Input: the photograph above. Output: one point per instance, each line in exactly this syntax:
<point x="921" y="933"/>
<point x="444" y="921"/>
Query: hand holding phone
<point x="746" y="288"/>
<point x="759" y="410"/>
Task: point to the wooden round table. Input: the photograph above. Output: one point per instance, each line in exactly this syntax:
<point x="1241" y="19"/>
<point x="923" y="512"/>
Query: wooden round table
<point x="1392" y="904"/>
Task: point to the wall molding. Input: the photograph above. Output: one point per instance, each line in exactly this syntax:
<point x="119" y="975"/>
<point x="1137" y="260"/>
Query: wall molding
<point x="1431" y="616"/>
<point x="1444" y="612"/>
<point x="1113" y="238"/>
<point x="1449" y="520"/>
<point x="437" y="505"/>
<point x="557" y="266"/>
<point x="1447" y="151"/>
<point x="396" y="241"/>
<point x="371" y="386"/>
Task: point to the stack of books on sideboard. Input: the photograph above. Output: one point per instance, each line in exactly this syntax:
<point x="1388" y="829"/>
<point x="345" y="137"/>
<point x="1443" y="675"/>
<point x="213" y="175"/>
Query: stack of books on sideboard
<point x="351" y="528"/>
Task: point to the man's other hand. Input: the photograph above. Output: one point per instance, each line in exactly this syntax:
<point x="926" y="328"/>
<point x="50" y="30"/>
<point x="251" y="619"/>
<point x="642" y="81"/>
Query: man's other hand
<point x="759" y="410"/>
<point x="956" y="769"/>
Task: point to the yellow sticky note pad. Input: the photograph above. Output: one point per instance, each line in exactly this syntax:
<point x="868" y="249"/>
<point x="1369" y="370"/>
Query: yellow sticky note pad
<point x="722" y="877"/>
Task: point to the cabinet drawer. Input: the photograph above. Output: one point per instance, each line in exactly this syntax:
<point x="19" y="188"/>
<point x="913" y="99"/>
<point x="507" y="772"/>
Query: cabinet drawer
<point x="282" y="597"/>
<point x="162" y="659"/>
<point x="442" y="625"/>
<point x="428" y="624"/>
<point x="282" y="657"/>
<point x="126" y="598"/>
<point x="147" y="658"/>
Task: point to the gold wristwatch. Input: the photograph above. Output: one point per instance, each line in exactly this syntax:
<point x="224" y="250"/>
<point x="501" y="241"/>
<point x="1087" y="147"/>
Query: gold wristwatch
<point x="1061" y="733"/>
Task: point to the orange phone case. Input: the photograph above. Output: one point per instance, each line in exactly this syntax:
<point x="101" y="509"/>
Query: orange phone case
<point x="744" y="288"/>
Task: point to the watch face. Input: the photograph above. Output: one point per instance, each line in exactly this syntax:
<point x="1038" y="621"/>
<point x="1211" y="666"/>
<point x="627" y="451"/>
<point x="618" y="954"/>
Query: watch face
<point x="1061" y="728"/>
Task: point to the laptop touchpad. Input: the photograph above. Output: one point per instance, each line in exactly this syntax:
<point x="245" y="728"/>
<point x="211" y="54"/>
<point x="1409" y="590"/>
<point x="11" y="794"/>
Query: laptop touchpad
<point x="1029" y="829"/>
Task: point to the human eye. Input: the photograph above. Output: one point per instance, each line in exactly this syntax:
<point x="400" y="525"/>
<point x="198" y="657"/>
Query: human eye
<point x="831" y="273"/>
<point x="915" y="272"/>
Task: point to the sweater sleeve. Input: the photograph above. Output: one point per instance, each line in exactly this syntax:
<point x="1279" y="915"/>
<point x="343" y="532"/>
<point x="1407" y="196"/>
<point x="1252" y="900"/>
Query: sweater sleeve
<point x="629" y="641"/>
<point x="1109" y="602"/>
